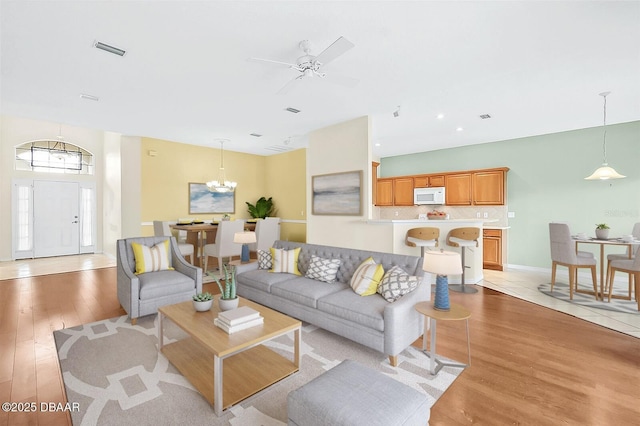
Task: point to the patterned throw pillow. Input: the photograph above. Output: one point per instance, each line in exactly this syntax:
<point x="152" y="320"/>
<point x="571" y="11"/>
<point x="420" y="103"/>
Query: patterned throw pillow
<point x="264" y="259"/>
<point x="323" y="269"/>
<point x="396" y="283"/>
<point x="285" y="260"/>
<point x="366" y="278"/>
<point x="151" y="259"/>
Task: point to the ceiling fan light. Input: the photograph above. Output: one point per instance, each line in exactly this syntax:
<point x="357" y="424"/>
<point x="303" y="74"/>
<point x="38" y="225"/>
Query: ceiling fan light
<point x="605" y="173"/>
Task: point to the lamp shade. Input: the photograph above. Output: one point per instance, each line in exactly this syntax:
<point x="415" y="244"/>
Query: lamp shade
<point x="246" y="237"/>
<point x="605" y="172"/>
<point x="442" y="262"/>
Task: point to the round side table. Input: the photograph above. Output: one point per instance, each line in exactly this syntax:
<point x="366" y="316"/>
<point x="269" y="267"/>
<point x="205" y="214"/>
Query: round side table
<point x="456" y="313"/>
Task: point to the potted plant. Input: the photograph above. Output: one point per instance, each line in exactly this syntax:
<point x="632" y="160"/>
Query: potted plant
<point x="228" y="298"/>
<point x="262" y="208"/>
<point x="202" y="301"/>
<point x="602" y="231"/>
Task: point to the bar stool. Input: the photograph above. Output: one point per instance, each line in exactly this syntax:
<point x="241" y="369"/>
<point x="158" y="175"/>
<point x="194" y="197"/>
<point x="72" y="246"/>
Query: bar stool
<point x="463" y="238"/>
<point x="422" y="237"/>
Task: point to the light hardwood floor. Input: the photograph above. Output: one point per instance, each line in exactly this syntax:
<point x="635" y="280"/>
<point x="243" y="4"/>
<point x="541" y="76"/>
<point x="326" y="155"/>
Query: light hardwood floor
<point x="531" y="365"/>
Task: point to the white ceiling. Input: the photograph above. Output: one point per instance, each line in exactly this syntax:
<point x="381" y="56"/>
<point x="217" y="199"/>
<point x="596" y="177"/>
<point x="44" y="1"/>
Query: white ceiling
<point x="536" y="67"/>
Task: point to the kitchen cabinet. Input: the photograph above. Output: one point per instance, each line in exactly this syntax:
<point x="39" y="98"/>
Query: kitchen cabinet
<point x="384" y="192"/>
<point x="403" y="191"/>
<point x="374" y="182"/>
<point x="428" y="181"/>
<point x="488" y="188"/>
<point x="458" y="189"/>
<point x="492" y="249"/>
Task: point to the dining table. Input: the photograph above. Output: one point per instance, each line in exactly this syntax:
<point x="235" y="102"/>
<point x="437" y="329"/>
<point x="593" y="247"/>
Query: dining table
<point x="629" y="244"/>
<point x="202" y="233"/>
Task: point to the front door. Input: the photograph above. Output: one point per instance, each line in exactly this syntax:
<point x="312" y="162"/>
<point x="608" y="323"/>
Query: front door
<point x="56" y="218"/>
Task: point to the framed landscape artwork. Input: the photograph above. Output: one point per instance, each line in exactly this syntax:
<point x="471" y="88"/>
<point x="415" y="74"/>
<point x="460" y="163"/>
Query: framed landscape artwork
<point x="201" y="200"/>
<point x="337" y="194"/>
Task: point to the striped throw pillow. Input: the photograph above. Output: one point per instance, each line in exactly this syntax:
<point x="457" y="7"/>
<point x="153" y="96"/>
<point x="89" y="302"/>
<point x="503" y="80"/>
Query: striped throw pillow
<point x="151" y="259"/>
<point x="285" y="260"/>
<point x="366" y="278"/>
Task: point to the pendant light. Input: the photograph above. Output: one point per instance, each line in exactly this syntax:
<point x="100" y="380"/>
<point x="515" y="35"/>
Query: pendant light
<point x="605" y="172"/>
<point x="222" y="184"/>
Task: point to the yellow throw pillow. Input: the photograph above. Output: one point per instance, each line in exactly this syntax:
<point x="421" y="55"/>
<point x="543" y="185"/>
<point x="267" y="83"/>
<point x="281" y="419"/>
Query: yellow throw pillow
<point x="366" y="278"/>
<point x="285" y="260"/>
<point x="151" y="259"/>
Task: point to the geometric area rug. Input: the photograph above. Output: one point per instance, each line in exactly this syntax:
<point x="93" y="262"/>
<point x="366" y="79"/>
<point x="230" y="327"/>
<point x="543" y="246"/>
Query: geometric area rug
<point x="114" y="373"/>
<point x="561" y="292"/>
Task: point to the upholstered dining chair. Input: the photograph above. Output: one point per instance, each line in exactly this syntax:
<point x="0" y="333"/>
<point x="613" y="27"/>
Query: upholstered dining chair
<point x="224" y="245"/>
<point x="634" y="252"/>
<point x="161" y="229"/>
<point x="158" y="283"/>
<point x="422" y="237"/>
<point x="563" y="252"/>
<point x="631" y="267"/>
<point x="267" y="232"/>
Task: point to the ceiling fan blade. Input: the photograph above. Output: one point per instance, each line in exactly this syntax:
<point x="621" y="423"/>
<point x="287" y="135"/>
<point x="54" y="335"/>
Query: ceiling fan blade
<point x="294" y="66"/>
<point x="340" y="46"/>
<point x="290" y="85"/>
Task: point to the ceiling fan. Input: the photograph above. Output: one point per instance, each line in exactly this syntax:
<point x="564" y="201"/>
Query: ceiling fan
<point x="309" y="65"/>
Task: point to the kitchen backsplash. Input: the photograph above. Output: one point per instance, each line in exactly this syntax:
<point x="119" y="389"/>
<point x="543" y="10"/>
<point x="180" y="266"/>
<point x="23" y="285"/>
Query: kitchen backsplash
<point x="498" y="213"/>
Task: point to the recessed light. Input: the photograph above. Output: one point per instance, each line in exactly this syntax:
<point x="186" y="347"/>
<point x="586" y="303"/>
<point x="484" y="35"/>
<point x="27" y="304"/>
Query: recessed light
<point x="89" y="97"/>
<point x="110" y="49"/>
<point x="257" y="135"/>
<point x="378" y="144"/>
<point x="440" y="116"/>
<point x="293" y="110"/>
<point x="459" y="129"/>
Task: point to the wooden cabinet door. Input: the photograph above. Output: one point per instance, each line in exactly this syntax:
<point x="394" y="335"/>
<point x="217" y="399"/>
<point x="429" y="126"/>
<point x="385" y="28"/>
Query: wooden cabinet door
<point x="458" y="189"/>
<point x="492" y="249"/>
<point x="384" y="192"/>
<point x="403" y="191"/>
<point x="488" y="188"/>
<point x="374" y="182"/>
<point x="436" y="180"/>
<point x="421" y="181"/>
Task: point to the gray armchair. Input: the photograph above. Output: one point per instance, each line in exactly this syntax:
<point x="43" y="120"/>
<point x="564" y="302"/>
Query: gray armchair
<point x="143" y="294"/>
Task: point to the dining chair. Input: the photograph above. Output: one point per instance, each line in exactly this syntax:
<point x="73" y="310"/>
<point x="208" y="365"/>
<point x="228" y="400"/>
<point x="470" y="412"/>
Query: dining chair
<point x="422" y="237"/>
<point x="564" y="253"/>
<point x="267" y="232"/>
<point x="634" y="252"/>
<point x="162" y="229"/>
<point x="631" y="267"/>
<point x="224" y="245"/>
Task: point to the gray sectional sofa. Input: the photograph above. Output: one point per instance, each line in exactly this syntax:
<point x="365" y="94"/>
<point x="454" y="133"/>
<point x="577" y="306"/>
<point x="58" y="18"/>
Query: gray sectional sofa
<point x="368" y="320"/>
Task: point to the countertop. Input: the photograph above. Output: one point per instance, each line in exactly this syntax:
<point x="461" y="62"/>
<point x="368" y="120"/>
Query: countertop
<point x="434" y="221"/>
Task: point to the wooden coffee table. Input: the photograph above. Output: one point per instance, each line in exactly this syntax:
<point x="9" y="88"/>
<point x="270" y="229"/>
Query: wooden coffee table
<point x="249" y="366"/>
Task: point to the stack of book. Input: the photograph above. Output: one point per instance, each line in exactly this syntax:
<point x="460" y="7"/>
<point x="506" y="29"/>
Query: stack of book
<point x="238" y="319"/>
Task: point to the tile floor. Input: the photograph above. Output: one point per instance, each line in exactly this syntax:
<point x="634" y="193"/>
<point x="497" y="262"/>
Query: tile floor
<point x="517" y="283"/>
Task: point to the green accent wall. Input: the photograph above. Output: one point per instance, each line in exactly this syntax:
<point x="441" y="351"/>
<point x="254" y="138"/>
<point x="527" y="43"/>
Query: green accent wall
<point x="546" y="183"/>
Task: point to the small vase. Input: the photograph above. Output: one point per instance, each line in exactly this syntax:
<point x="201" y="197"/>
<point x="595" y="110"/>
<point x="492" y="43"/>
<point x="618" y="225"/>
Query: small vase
<point x="228" y="304"/>
<point x="602" y="234"/>
<point x="202" y="306"/>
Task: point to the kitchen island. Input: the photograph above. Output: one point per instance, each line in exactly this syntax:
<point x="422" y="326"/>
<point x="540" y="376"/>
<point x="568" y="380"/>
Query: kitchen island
<point x="397" y="229"/>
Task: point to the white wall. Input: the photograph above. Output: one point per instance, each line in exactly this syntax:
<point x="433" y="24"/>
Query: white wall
<point x="131" y="186"/>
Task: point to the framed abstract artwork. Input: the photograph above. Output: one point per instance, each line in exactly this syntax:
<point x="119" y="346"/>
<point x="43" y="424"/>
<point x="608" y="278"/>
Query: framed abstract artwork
<point x="338" y="194"/>
<point x="201" y="200"/>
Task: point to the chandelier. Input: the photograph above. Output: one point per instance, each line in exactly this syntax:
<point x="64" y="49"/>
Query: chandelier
<point x="604" y="172"/>
<point x="222" y="184"/>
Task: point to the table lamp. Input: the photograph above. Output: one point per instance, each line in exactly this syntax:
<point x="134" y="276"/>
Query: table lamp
<point x="245" y="238"/>
<point x="442" y="263"/>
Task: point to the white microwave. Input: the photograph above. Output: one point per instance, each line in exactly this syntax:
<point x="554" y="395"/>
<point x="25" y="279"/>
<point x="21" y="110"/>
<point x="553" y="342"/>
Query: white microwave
<point x="433" y="195"/>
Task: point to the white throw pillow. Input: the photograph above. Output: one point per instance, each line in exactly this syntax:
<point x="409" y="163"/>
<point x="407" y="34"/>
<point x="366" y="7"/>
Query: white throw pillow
<point x="366" y="278"/>
<point x="151" y="259"/>
<point x="323" y="269"/>
<point x="285" y="260"/>
<point x="396" y="283"/>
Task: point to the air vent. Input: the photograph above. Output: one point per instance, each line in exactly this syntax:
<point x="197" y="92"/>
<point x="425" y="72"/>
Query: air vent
<point x="107" y="48"/>
<point x="293" y="110"/>
<point x="485" y="116"/>
<point x="257" y="135"/>
<point x="89" y="97"/>
<point x="278" y="148"/>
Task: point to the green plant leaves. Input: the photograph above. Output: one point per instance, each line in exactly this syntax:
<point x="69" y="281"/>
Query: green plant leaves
<point x="262" y="208"/>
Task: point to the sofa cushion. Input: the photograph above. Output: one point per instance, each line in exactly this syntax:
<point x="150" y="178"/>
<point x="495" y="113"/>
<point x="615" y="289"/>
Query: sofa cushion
<point x="151" y="259"/>
<point x="162" y="283"/>
<point x="264" y="259"/>
<point x="261" y="279"/>
<point x="367" y="311"/>
<point x="367" y="277"/>
<point x="396" y="283"/>
<point x="285" y="261"/>
<point x="323" y="269"/>
<point x="305" y="291"/>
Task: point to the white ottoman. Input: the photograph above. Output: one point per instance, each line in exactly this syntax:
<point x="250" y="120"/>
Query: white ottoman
<point x="351" y="394"/>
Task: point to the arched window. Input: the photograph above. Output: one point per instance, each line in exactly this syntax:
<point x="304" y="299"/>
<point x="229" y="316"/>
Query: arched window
<point x="54" y="156"/>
